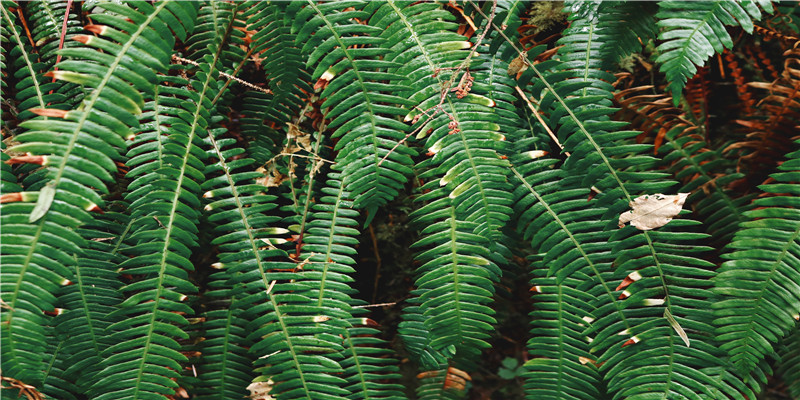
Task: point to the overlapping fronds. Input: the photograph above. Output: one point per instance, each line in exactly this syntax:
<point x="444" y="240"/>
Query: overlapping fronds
<point x="56" y="382"/>
<point x="300" y="335"/>
<point x="450" y="110"/>
<point x="694" y="31"/>
<point x="283" y="64"/>
<point x="569" y="246"/>
<point x="219" y="25"/>
<point x="239" y="208"/>
<point x="455" y="279"/>
<point x="88" y="304"/>
<point x="790" y="363"/>
<point x="643" y="334"/>
<point x="166" y="164"/>
<point x="33" y="89"/>
<point x="195" y="230"/>
<point x="691" y="159"/>
<point x="564" y="369"/>
<point x="771" y="130"/>
<point x="628" y="25"/>
<point x="78" y="150"/>
<point x="760" y="299"/>
<point x="48" y="19"/>
<point x="346" y="57"/>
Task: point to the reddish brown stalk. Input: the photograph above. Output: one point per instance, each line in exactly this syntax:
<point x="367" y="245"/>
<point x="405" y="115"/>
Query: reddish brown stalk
<point x="63" y="34"/>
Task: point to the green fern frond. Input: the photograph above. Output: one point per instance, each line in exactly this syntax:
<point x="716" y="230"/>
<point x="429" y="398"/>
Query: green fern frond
<point x="759" y="296"/>
<point x="416" y="337"/>
<point x="360" y="103"/>
<point x="456" y="278"/>
<point x="628" y="25"/>
<point x="719" y="210"/>
<point x="91" y="300"/>
<point x="78" y="153"/>
<point x="33" y="89"/>
<point x="463" y="139"/>
<point x="218" y="25"/>
<point x="789" y="368"/>
<point x="575" y="255"/>
<point x="666" y="259"/>
<point x="47" y="21"/>
<point x="167" y="171"/>
<point x="694" y="31"/>
<point x="562" y="367"/>
<point x="244" y="232"/>
<point x="57" y="384"/>
<point x="283" y="63"/>
<point x="300" y="329"/>
<point x="369" y="365"/>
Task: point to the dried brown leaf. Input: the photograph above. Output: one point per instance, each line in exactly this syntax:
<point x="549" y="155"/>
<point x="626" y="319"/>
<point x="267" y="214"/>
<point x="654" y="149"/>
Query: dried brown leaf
<point x="653" y="210"/>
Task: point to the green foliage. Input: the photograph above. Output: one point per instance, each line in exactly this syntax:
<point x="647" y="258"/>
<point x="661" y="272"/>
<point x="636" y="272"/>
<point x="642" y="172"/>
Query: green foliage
<point x="189" y="190"/>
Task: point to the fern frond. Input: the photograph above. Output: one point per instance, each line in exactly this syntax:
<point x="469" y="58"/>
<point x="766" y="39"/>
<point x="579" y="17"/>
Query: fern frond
<point x="283" y="63"/>
<point x="568" y="235"/>
<point x="691" y="160"/>
<point x="369" y="366"/>
<point x="218" y="26"/>
<point x="416" y="337"/>
<point x="563" y="367"/>
<point x="789" y="368"/>
<point x="91" y="300"/>
<point x="78" y="153"/>
<point x="47" y="21"/>
<point x="167" y="171"/>
<point x="244" y="232"/>
<point x="361" y="104"/>
<point x="771" y="133"/>
<point x="301" y="327"/>
<point x="666" y="258"/>
<point x="57" y="384"/>
<point x="455" y="279"/>
<point x="759" y="296"/>
<point x="463" y="139"/>
<point x="694" y="31"/>
<point x="33" y="89"/>
<point x="627" y="25"/>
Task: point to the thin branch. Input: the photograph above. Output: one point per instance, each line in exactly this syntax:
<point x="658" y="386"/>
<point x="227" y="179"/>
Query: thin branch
<point x="223" y="74"/>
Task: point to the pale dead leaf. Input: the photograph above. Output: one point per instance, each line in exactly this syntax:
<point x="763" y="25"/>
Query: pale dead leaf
<point x="653" y="210"/>
<point x="302" y="138"/>
<point x="260" y="390"/>
<point x="272" y="179"/>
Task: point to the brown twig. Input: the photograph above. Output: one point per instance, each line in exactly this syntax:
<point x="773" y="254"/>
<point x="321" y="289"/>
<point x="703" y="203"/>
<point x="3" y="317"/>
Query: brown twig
<point x="63" y="34"/>
<point x="539" y="118"/>
<point x="223" y="74"/>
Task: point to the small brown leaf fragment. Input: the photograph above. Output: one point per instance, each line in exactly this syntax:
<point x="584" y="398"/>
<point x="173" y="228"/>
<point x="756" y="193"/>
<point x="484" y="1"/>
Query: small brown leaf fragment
<point x="519" y="64"/>
<point x="653" y="210"/>
<point x="632" y="277"/>
<point x="49" y="112"/>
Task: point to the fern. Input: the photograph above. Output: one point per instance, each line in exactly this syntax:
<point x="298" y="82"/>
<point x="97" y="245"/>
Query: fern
<point x="194" y="193"/>
<point x="759" y="298"/>
<point x="693" y="32"/>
